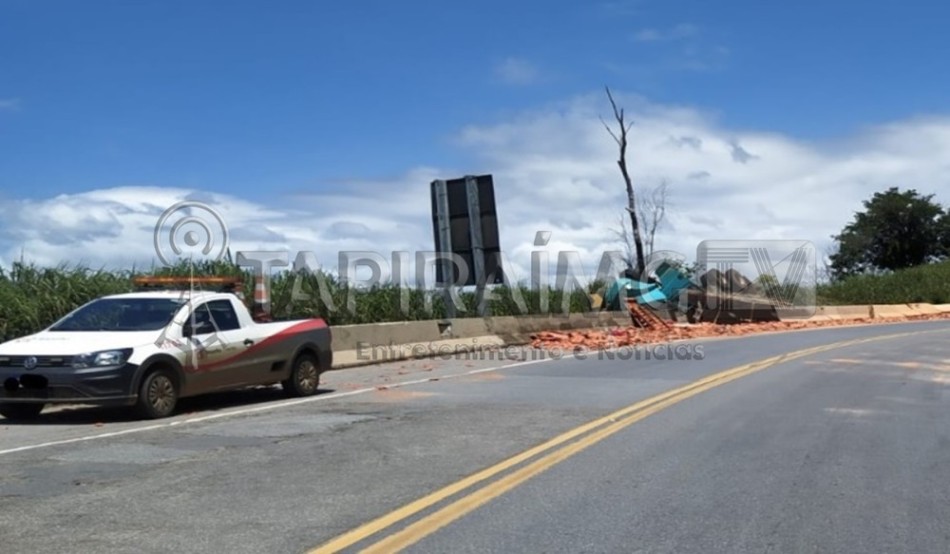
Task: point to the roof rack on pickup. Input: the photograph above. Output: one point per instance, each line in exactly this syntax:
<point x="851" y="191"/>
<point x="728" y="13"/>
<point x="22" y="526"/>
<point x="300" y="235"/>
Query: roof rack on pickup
<point x="223" y="284"/>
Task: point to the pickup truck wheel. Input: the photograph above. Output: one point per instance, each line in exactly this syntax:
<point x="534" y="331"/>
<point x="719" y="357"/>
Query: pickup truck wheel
<point x="21" y="412"/>
<point x="158" y="395"/>
<point x="304" y="378"/>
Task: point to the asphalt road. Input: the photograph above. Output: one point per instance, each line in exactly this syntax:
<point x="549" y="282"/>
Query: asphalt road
<point x="843" y="449"/>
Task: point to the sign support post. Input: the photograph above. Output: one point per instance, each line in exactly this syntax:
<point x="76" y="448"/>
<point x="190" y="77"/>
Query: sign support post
<point x="444" y="231"/>
<point x="478" y="250"/>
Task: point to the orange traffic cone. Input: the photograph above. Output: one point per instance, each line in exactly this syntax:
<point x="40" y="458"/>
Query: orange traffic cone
<point x="261" y="299"/>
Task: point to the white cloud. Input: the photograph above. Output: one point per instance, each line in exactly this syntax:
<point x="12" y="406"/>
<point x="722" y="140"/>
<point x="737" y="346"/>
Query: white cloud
<point x="555" y="170"/>
<point x="677" y="32"/>
<point x="648" y="35"/>
<point x="702" y="59"/>
<point x="9" y="104"/>
<point x="621" y="8"/>
<point x="517" y="71"/>
<point x="683" y="47"/>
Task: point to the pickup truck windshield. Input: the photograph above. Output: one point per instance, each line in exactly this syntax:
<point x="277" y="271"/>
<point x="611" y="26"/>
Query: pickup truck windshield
<point x="121" y="314"/>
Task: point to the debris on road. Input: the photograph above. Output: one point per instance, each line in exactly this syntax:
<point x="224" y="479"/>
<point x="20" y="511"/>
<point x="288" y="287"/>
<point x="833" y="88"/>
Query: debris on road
<point x="716" y="297"/>
<point x="599" y="339"/>
<point x="643" y="317"/>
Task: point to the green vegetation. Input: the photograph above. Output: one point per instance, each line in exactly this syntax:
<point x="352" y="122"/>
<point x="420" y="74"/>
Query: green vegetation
<point x="925" y="283"/>
<point x="896" y="230"/>
<point x="894" y="251"/>
<point x="32" y="298"/>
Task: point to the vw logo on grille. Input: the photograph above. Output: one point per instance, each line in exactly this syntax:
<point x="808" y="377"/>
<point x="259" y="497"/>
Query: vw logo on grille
<point x="30" y="362"/>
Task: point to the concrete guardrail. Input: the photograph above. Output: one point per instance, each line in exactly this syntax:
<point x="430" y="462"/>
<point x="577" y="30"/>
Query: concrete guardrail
<point x="357" y="345"/>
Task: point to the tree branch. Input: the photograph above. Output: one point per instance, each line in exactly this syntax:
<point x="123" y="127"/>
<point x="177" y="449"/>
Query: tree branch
<point x="609" y="130"/>
<point x="628" y="182"/>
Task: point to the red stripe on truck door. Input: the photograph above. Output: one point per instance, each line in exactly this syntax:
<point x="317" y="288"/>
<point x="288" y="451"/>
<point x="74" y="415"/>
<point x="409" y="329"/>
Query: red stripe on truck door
<point x="308" y="325"/>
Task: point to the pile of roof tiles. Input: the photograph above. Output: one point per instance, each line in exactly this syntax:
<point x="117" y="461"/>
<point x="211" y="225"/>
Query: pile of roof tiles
<point x="596" y="339"/>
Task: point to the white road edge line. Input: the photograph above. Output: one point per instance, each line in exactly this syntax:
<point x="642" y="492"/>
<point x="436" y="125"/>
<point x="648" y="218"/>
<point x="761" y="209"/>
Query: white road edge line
<point x="332" y="396"/>
<point x="256" y="409"/>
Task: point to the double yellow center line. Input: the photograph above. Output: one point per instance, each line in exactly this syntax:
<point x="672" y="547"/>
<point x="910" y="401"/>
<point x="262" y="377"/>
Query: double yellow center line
<point x="548" y="454"/>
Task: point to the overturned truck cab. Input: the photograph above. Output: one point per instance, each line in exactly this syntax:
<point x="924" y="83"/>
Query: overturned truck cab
<point x="717" y="297"/>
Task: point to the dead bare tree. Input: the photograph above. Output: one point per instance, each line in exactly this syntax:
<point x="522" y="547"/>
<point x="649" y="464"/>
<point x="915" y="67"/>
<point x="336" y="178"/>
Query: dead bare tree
<point x="621" y="140"/>
<point x="622" y="234"/>
<point x="651" y="210"/>
<point x="651" y="213"/>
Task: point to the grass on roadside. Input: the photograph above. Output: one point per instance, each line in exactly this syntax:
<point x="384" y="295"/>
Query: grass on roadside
<point x="927" y="284"/>
<point x="33" y="297"/>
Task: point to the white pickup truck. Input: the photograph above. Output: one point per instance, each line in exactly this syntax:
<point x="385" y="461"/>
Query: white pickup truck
<point x="148" y="349"/>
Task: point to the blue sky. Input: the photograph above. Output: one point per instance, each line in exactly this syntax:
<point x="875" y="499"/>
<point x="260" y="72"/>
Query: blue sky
<point x="270" y="102"/>
<point x="299" y="95"/>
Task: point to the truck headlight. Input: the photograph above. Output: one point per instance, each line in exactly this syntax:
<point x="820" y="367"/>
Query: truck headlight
<point x="105" y="358"/>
